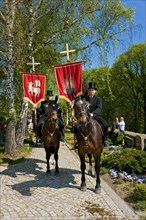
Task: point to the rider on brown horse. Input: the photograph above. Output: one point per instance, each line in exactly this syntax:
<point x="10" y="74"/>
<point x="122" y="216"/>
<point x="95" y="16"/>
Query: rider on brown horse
<point x="95" y="109"/>
<point x="42" y="110"/>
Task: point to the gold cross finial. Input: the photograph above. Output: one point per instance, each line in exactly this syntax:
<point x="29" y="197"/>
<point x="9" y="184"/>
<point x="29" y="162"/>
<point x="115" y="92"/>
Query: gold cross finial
<point x="33" y="64"/>
<point x="67" y="51"/>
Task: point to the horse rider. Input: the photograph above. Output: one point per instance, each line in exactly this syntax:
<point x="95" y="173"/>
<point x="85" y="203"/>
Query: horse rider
<point x="43" y="109"/>
<point x="95" y="108"/>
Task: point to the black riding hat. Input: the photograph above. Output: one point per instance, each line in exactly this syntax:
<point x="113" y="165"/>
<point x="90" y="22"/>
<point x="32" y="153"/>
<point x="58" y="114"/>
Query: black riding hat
<point x="92" y="85"/>
<point x="49" y="93"/>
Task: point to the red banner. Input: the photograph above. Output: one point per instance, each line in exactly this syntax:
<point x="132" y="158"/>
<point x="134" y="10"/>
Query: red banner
<point x="34" y="87"/>
<point x="69" y="79"/>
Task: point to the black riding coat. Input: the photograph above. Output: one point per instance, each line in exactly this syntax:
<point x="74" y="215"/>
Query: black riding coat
<point x="95" y="108"/>
<point x="95" y="105"/>
<point x="43" y="109"/>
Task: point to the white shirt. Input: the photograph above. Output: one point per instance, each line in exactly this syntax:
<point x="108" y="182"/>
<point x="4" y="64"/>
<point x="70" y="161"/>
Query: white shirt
<point x="121" y="125"/>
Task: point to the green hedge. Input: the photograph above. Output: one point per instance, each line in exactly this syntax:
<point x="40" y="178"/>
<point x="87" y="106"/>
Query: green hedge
<point x="128" y="159"/>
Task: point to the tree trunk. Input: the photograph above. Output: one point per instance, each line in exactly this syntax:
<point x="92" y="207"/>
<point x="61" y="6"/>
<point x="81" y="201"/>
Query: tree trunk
<point x="10" y="143"/>
<point x="21" y="126"/>
<point x="15" y="132"/>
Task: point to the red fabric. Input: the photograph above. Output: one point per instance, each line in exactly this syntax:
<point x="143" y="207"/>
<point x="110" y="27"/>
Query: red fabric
<point x="34" y="87"/>
<point x="69" y="79"/>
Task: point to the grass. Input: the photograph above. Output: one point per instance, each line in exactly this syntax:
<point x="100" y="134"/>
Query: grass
<point x="19" y="157"/>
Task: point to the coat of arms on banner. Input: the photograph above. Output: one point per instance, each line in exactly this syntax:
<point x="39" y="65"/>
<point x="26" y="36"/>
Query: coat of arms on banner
<point x="34" y="87"/>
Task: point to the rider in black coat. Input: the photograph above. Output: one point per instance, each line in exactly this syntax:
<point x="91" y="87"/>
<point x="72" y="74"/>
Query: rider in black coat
<point x="95" y="109"/>
<point x="42" y="110"/>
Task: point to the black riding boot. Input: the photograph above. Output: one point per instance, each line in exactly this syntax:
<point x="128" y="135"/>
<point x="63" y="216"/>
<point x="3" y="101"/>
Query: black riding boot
<point x="62" y="134"/>
<point x="106" y="144"/>
<point x="61" y="128"/>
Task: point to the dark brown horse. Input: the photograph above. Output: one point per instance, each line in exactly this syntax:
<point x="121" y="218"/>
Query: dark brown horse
<point x="89" y="137"/>
<point x="51" y="136"/>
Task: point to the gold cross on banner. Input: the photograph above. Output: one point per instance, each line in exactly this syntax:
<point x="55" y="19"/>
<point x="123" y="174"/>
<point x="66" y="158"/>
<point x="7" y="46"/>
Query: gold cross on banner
<point x="33" y="64"/>
<point x="67" y="51"/>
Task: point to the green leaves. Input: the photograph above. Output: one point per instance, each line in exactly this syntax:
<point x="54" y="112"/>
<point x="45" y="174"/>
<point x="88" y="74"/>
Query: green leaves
<point x="128" y="159"/>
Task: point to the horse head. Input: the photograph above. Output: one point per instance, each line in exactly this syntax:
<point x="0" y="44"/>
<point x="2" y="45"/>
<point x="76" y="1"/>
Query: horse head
<point x="81" y="108"/>
<point x="51" y="110"/>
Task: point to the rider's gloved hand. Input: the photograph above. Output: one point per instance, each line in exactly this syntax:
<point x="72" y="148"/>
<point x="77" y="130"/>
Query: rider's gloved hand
<point x="91" y="114"/>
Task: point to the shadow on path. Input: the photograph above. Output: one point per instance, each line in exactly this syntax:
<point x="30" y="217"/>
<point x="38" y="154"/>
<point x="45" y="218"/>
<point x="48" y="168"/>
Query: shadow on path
<point x="37" y="177"/>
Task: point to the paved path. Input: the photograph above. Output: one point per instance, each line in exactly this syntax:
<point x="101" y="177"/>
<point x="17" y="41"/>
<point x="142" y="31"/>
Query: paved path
<point x="27" y="193"/>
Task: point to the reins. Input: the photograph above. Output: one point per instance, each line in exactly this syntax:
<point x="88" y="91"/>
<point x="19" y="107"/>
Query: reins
<point x="86" y="137"/>
<point x="51" y="120"/>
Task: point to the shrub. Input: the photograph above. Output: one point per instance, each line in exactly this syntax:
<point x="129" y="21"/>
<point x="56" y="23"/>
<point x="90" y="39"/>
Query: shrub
<point x="103" y="170"/>
<point x="128" y="159"/>
<point x="119" y="139"/>
<point x="118" y="181"/>
<point x="139" y="194"/>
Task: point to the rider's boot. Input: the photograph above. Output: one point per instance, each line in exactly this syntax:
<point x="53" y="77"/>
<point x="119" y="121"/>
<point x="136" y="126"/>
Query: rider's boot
<point x="106" y="143"/>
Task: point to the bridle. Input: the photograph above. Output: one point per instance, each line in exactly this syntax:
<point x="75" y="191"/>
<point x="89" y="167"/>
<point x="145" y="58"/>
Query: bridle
<point x="80" y="125"/>
<point x="83" y="122"/>
<point x="52" y="120"/>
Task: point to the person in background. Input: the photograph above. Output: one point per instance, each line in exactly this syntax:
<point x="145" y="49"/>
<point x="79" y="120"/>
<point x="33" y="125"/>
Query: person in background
<point x="43" y="109"/>
<point x="121" y="124"/>
<point x="95" y="110"/>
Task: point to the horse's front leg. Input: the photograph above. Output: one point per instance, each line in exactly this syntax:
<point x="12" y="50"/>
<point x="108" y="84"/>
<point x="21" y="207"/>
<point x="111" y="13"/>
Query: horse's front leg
<point x="90" y="164"/>
<point x="97" y="171"/>
<point x="48" y="155"/>
<point x="83" y="167"/>
<point x="56" y="162"/>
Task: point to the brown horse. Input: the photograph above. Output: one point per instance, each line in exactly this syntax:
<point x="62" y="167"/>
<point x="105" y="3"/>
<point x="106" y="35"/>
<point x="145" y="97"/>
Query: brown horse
<point x="89" y="137"/>
<point x="51" y="136"/>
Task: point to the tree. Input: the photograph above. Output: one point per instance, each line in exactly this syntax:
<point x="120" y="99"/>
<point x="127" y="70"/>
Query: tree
<point x="43" y="27"/>
<point x="129" y="84"/>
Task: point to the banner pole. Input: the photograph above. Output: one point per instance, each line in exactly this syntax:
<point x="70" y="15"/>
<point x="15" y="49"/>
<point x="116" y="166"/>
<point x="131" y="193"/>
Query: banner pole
<point x="72" y="112"/>
<point x="35" y="120"/>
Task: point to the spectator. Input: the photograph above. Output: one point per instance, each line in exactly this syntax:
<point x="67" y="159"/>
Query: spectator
<point x="121" y="124"/>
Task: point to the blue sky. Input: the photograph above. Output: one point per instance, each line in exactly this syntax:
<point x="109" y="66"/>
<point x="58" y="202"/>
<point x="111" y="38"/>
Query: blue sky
<point x="138" y="34"/>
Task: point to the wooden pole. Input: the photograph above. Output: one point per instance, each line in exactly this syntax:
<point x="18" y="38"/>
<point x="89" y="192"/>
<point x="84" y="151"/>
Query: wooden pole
<point x="33" y="64"/>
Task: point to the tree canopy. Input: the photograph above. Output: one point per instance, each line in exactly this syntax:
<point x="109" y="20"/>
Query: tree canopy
<point x="128" y="81"/>
<point x="40" y="28"/>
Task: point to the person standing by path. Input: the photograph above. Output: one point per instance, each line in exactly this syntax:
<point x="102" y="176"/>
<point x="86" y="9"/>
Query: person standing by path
<point x="121" y="124"/>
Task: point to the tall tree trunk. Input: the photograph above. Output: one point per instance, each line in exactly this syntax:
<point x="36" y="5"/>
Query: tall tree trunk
<point x="9" y="18"/>
<point x="10" y="143"/>
<point x="21" y="126"/>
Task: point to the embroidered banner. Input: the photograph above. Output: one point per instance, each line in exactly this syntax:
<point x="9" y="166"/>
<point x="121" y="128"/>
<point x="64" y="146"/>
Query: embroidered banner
<point x="69" y="79"/>
<point x="34" y="87"/>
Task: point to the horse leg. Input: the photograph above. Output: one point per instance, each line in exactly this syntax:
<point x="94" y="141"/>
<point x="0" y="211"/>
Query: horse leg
<point x="90" y="164"/>
<point x="97" y="171"/>
<point x="52" y="161"/>
<point x="56" y="162"/>
<point x="83" y="167"/>
<point x="48" y="154"/>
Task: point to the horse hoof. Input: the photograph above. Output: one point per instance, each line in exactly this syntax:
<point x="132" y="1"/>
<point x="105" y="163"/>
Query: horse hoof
<point x="83" y="188"/>
<point x="56" y="172"/>
<point x="97" y="189"/>
<point x="90" y="173"/>
<point x="48" y="172"/>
